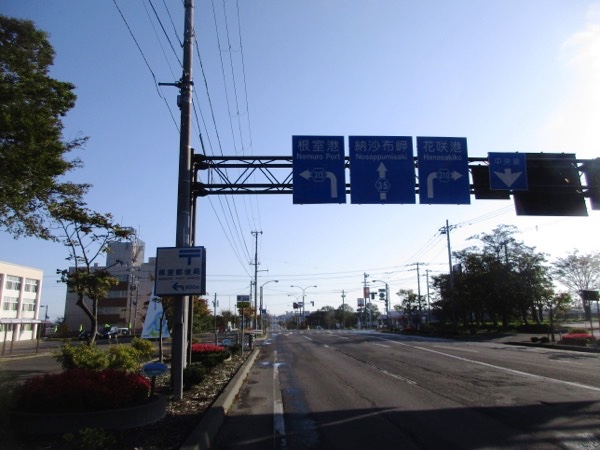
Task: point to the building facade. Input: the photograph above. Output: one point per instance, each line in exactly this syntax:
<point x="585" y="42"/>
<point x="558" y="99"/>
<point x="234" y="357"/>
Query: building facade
<point x="20" y="296"/>
<point x="126" y="303"/>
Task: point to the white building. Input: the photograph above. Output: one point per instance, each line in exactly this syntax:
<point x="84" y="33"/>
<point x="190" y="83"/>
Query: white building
<point x="126" y="303"/>
<point x="20" y="294"/>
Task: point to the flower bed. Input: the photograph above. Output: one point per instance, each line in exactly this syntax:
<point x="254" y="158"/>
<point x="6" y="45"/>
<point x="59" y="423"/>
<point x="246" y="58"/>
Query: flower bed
<point x="82" y="398"/>
<point x="579" y="339"/>
<point x="79" y="390"/>
<point x="209" y="354"/>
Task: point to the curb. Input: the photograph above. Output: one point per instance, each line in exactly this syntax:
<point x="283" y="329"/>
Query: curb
<point x="204" y="434"/>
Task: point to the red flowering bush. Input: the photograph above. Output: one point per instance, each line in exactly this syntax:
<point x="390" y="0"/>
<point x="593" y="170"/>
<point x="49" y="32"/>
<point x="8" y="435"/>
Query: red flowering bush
<point x="82" y="390"/>
<point x="582" y="339"/>
<point x="209" y="354"/>
<point x="207" y="348"/>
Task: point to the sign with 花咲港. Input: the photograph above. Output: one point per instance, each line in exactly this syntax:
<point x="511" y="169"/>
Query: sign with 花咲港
<point x="443" y="170"/>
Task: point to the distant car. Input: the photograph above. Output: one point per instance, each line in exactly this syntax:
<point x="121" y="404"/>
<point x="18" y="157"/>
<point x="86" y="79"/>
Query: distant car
<point x="108" y="332"/>
<point x="123" y="331"/>
<point x="85" y="335"/>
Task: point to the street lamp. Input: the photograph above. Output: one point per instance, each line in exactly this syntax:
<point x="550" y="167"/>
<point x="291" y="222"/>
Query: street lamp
<point x="303" y="295"/>
<point x="261" y="301"/>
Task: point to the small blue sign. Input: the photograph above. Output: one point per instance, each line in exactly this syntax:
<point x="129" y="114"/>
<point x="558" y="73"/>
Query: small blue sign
<point x="508" y="171"/>
<point x="443" y="171"/>
<point x="382" y="169"/>
<point x="318" y="169"/>
<point x="154" y="369"/>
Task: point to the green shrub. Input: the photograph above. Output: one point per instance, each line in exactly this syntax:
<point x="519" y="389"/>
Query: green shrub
<point x="121" y="357"/>
<point x="8" y="385"/>
<point x="235" y="348"/>
<point x="82" y="356"/>
<point x="578" y="330"/>
<point x="194" y="374"/>
<point x="90" y="439"/>
<point x="144" y="347"/>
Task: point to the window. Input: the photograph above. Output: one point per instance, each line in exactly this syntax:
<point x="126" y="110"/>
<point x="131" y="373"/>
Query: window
<point x="13" y="283"/>
<point x="31" y="285"/>
<point x="28" y="304"/>
<point x="10" y="303"/>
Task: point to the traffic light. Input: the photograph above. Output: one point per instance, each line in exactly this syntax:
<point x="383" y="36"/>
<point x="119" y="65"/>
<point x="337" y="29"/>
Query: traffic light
<point x="591" y="171"/>
<point x="554" y="187"/>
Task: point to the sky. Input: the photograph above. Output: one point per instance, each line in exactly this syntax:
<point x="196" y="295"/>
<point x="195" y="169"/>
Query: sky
<point x="509" y="76"/>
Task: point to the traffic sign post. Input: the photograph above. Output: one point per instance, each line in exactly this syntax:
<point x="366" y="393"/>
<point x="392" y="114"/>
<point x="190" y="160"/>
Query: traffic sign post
<point x="508" y="171"/>
<point x="443" y="170"/>
<point x="318" y="169"/>
<point x="381" y="169"/>
<point x="180" y="271"/>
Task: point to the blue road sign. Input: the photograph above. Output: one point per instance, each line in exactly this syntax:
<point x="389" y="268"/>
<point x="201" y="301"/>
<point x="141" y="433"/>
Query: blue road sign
<point x="382" y="169"/>
<point x="318" y="169"/>
<point x="443" y="170"/>
<point x="508" y="171"/>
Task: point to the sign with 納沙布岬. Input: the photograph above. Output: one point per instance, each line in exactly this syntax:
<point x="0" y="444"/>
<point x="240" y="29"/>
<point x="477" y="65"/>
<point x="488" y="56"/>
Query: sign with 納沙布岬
<point x="382" y="169"/>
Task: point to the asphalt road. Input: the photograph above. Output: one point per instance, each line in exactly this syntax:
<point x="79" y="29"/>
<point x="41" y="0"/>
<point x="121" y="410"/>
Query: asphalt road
<point x="356" y="390"/>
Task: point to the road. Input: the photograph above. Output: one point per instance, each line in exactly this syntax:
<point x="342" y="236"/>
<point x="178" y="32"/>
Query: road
<point x="354" y="390"/>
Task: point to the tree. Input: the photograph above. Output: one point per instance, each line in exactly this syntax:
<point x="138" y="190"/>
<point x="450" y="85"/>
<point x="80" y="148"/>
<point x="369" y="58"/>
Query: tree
<point x="32" y="152"/>
<point x="87" y="235"/>
<point x="345" y="315"/>
<point x="500" y="281"/>
<point x="578" y="271"/>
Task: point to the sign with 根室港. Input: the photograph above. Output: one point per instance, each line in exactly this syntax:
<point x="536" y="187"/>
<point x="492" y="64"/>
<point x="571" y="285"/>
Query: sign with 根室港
<point x="318" y="169"/>
<point x="443" y="170"/>
<point x="508" y="171"/>
<point x="382" y="169"/>
<point x="180" y="271"/>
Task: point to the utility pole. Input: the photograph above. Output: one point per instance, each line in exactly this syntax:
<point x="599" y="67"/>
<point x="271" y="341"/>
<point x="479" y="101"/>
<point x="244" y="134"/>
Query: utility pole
<point x="255" y="234"/>
<point x="343" y="309"/>
<point x="446" y="230"/>
<point x="184" y="197"/>
<point x="428" y="302"/>
<point x="365" y="295"/>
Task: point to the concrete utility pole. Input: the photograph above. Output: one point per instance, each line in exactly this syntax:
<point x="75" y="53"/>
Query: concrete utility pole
<point x="255" y="234"/>
<point x="446" y="230"/>
<point x="184" y="197"/>
<point x="343" y="309"/>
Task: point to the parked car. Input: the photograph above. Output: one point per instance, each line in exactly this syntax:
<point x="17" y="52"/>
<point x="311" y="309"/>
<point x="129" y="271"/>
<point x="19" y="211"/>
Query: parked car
<point x="108" y="332"/>
<point x="85" y="335"/>
<point x="123" y="331"/>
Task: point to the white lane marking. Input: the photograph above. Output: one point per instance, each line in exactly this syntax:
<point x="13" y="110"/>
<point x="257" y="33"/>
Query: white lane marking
<point x="382" y="345"/>
<point x="505" y="369"/>
<point x="306" y="337"/>
<point x="278" y="422"/>
<point x="457" y="349"/>
<point x="325" y="345"/>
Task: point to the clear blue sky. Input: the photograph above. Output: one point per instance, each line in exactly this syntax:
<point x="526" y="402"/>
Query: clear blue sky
<point x="510" y="75"/>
